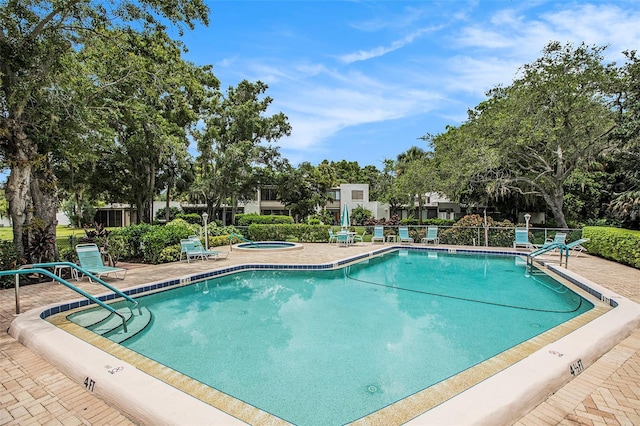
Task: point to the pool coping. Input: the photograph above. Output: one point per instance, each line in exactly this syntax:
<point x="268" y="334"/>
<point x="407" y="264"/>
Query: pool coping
<point x="492" y="401"/>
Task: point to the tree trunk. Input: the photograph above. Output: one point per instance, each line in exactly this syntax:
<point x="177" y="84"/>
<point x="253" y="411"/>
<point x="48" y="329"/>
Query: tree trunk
<point x="31" y="193"/>
<point x="556" y="202"/>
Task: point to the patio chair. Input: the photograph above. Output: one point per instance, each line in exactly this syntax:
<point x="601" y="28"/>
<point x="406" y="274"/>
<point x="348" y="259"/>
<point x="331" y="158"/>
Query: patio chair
<point x="378" y="234"/>
<point x="432" y="236"/>
<point x="192" y="248"/>
<point x="360" y="238"/>
<point x="403" y="235"/>
<point x="558" y="240"/>
<point x="576" y="246"/>
<point x="90" y="260"/>
<point x="522" y="238"/>
<point x="344" y="238"/>
<point x="332" y="237"/>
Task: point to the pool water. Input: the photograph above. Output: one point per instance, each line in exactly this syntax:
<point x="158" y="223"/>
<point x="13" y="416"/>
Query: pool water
<point x="329" y="347"/>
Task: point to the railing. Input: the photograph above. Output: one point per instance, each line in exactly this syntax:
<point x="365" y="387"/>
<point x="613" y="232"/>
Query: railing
<point x="38" y="268"/>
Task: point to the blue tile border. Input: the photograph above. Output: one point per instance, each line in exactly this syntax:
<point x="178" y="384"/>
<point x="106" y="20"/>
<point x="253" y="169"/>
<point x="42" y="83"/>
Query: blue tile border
<point x="305" y="267"/>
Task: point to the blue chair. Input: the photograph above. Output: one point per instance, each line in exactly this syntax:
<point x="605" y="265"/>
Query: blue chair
<point x="91" y="261"/>
<point x="378" y="234"/>
<point x="332" y="237"/>
<point x="403" y="235"/>
<point x="557" y="240"/>
<point x="432" y="236"/>
<point x="343" y="238"/>
<point x="522" y="238"/>
<point x="360" y="238"/>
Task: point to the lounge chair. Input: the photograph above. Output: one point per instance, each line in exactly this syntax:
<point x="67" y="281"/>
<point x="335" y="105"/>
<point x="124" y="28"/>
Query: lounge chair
<point x="557" y="240"/>
<point x="91" y="261"/>
<point x="522" y="239"/>
<point x="360" y="238"/>
<point x="403" y="235"/>
<point x="332" y="237"/>
<point x="192" y="248"/>
<point x="432" y="236"/>
<point x="378" y="234"/>
<point x="576" y="246"/>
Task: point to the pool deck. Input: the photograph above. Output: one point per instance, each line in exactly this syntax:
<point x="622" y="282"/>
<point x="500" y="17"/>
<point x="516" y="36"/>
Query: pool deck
<point x="35" y="392"/>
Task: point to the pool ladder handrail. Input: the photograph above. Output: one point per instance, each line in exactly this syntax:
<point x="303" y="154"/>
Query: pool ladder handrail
<point x="38" y="268"/>
<point x="240" y="237"/>
<point x="543" y="250"/>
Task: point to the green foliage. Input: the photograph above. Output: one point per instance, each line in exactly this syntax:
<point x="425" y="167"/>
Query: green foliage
<point x="84" y="217"/>
<point x="170" y="254"/>
<point x="173" y="213"/>
<point x="359" y="215"/>
<point x="314" y="221"/>
<point x="470" y="229"/>
<point x="42" y="246"/>
<point x="296" y="232"/>
<point x="9" y="260"/>
<point x="132" y="235"/>
<point x="192" y="218"/>
<point x="159" y="237"/>
<point x="250" y="218"/>
<point x="620" y="245"/>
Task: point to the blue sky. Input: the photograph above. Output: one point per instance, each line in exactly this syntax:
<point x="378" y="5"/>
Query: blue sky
<point x="363" y="80"/>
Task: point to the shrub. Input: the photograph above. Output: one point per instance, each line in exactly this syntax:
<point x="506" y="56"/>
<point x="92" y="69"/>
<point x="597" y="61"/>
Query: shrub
<point x="360" y="215"/>
<point x="9" y="260"/>
<point x="173" y="213"/>
<point x="192" y="218"/>
<point x="132" y="236"/>
<point x="620" y="245"/>
<point x="470" y="228"/>
<point x="250" y="218"/>
<point x="159" y="237"/>
<point x="299" y="232"/>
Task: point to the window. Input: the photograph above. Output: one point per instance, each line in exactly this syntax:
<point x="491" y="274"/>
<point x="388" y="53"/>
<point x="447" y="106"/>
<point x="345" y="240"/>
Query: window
<point x="357" y="194"/>
<point x="334" y="194"/>
<point x="268" y="194"/>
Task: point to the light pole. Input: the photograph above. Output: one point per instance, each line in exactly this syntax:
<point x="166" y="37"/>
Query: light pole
<point x="205" y="216"/>
<point x="527" y="218"/>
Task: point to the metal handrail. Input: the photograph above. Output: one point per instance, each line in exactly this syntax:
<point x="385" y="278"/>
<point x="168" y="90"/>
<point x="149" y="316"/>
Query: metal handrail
<point x="29" y="270"/>
<point x="87" y="273"/>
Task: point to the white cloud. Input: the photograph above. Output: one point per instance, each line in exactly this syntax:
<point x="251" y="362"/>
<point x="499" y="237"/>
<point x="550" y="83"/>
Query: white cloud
<point x="363" y="55"/>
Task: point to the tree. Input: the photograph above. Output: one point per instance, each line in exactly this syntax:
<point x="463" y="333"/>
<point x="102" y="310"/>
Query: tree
<point x="152" y="100"/>
<point x="415" y="176"/>
<point x="37" y="45"/>
<point x="235" y="143"/>
<point x="528" y="138"/>
<point x="626" y="203"/>
<point x="304" y="190"/>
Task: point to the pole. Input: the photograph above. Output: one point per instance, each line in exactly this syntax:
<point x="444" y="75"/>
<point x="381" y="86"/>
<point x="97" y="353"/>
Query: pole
<point x="206" y="231"/>
<point x="17" y="290"/>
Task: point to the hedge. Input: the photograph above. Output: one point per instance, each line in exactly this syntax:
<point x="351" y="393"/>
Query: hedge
<point x="251" y="218"/>
<point x="299" y="232"/>
<point x="620" y="245"/>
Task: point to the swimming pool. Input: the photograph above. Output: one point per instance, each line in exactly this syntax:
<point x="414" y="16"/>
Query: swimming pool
<point x="269" y="245"/>
<point x="330" y="347"/>
<point x="122" y="376"/>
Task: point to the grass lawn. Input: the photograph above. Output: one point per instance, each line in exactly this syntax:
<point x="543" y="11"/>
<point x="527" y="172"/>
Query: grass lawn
<point x="6" y="233"/>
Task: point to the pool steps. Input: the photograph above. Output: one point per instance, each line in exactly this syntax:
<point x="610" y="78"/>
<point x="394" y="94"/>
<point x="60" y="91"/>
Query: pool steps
<point x="106" y="324"/>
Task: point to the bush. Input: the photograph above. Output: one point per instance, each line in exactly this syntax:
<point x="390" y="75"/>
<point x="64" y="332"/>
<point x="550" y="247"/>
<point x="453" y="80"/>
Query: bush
<point x="298" y="232"/>
<point x="250" y="218"/>
<point x="173" y="213"/>
<point x="132" y="236"/>
<point x="9" y="260"/>
<point x="620" y="245"/>
<point x="159" y="237"/>
<point x="192" y="218"/>
<point x="470" y="228"/>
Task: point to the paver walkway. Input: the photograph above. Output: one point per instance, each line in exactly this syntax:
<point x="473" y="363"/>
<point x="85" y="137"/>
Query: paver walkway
<point x="33" y="392"/>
